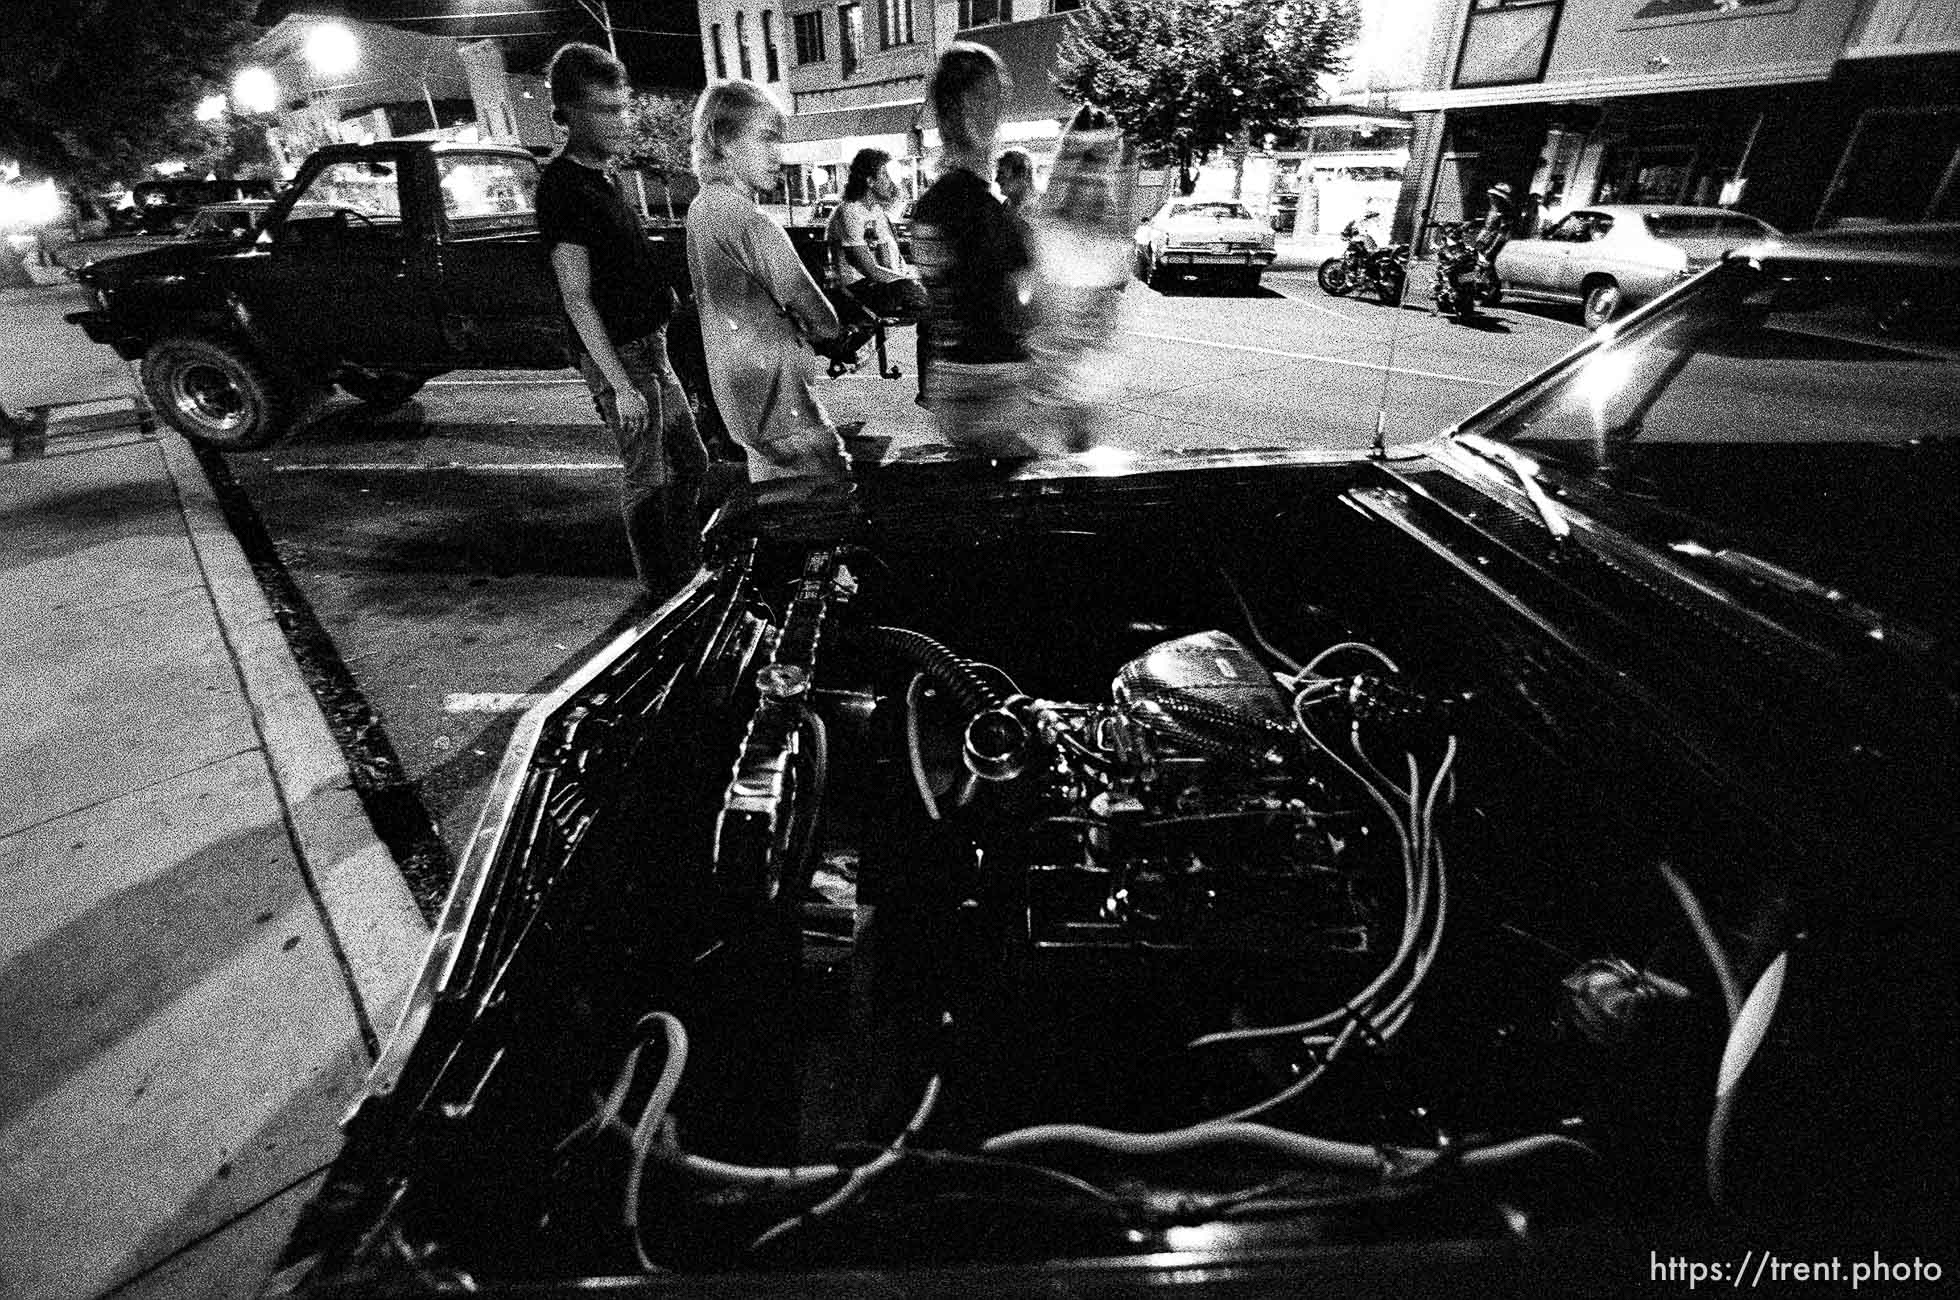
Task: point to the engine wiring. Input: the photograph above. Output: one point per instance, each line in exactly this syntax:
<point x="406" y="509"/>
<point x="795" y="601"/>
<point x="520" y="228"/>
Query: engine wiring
<point x="1749" y="1021"/>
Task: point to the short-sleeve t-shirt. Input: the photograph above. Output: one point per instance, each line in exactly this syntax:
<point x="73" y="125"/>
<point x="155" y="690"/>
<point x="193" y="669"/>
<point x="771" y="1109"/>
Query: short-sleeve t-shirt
<point x="579" y="205"/>
<point x="860" y="225"/>
<point x="971" y="255"/>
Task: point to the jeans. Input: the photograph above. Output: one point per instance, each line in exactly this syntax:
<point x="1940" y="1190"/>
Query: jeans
<point x="660" y="493"/>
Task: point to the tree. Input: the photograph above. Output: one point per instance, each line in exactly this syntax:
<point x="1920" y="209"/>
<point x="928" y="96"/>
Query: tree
<point x="96" y="90"/>
<point x="1183" y="77"/>
<point x="661" y="139"/>
<point x="237" y="145"/>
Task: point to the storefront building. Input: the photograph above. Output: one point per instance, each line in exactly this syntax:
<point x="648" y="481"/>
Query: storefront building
<point x="1801" y="112"/>
<point x="853" y="76"/>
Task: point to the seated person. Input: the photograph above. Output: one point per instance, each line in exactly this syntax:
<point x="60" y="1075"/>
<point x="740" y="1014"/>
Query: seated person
<point x="864" y="252"/>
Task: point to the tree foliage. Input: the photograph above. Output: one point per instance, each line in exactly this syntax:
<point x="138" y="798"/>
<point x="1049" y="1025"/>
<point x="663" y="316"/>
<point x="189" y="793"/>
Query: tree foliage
<point x="96" y="90"/>
<point x="661" y="134"/>
<point x="1184" y="77"/>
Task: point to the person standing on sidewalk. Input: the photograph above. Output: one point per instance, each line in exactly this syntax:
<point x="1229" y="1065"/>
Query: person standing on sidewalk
<point x="758" y="304"/>
<point x="975" y="263"/>
<point x="1014" y="178"/>
<point x="619" y="305"/>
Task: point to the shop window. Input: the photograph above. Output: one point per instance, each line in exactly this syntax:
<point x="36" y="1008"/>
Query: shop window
<point x="850" y="37"/>
<point x="983" y="13"/>
<point x="721" y="59"/>
<point x="809" y="38"/>
<point x="896" y="23"/>
<point x="769" y="64"/>
<point x="1902" y="164"/>
<point x="742" y="47"/>
<point x="1507" y="42"/>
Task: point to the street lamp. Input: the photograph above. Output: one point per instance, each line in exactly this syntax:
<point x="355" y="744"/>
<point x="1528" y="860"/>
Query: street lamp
<point x="253" y="90"/>
<point x="332" y="49"/>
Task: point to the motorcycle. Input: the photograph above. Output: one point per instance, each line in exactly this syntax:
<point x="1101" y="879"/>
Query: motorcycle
<point x="1464" y="276"/>
<point x="1366" y="265"/>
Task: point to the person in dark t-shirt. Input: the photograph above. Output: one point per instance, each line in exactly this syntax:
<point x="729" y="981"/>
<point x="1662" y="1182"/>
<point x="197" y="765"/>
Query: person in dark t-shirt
<point x="974" y="261"/>
<point x="618" y="305"/>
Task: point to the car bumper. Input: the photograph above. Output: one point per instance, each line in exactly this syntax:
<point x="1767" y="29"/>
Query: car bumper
<point x="1246" y="258"/>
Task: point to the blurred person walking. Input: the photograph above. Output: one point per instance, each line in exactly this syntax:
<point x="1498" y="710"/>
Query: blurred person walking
<point x="974" y="261"/>
<point x="1083" y="246"/>
<point x="758" y="305"/>
<point x="619" y="305"/>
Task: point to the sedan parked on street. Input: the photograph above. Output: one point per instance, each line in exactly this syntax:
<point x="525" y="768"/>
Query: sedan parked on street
<point x="1215" y="239"/>
<point x="1610" y="257"/>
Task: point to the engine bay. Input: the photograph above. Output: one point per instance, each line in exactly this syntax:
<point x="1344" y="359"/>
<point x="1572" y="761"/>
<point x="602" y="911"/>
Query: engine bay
<point x="953" y="914"/>
<point x="1156" y="949"/>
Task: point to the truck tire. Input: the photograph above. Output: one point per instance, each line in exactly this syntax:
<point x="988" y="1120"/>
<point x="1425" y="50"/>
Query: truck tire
<point x="383" y="391"/>
<point x="216" y="391"/>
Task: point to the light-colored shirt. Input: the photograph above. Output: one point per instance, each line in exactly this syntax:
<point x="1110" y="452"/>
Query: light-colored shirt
<point x="858" y="224"/>
<point x="757" y="303"/>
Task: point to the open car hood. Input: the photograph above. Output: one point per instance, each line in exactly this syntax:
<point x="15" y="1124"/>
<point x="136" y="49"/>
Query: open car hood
<point x="1244" y="871"/>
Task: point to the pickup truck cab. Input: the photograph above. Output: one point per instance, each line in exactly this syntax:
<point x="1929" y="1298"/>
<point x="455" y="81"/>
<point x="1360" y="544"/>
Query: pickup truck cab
<point x="380" y="267"/>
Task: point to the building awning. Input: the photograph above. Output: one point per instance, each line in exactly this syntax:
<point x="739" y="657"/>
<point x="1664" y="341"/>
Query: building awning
<point x="1900" y="27"/>
<point x="828" y="124"/>
<point x="1547" y="92"/>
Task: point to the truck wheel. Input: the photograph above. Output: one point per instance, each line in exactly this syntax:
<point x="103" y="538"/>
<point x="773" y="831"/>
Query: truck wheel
<point x="216" y="392"/>
<point x="383" y="391"/>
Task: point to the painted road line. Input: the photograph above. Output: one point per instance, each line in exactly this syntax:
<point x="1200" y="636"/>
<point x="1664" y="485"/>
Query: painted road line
<point x="1332" y="361"/>
<point x="489" y="701"/>
<point x="1312" y="306"/>
<point x="449" y="467"/>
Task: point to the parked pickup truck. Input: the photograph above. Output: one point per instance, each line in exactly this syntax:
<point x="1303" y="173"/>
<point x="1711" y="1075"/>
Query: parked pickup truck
<point x="380" y="267"/>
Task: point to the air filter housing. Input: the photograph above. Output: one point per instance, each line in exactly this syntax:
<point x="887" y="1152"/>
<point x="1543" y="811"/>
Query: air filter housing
<point x="1208" y="693"/>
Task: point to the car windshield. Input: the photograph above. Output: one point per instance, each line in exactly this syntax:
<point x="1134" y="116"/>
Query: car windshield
<point x="1804" y="398"/>
<point x="1704" y="225"/>
<point x="1788" y="349"/>
<point x="1212" y="211"/>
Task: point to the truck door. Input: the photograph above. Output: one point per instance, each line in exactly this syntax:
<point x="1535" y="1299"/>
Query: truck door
<point x="499" y="301"/>
<point x="351" y="273"/>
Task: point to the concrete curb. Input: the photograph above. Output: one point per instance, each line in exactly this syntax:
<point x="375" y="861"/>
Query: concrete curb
<point x="368" y="906"/>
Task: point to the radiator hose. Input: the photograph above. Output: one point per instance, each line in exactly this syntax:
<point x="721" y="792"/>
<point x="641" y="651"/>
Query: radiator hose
<point x="997" y="738"/>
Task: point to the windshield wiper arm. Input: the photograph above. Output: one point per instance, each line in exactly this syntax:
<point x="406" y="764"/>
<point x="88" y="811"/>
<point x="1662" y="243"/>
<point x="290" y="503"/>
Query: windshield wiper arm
<point x="1525" y="470"/>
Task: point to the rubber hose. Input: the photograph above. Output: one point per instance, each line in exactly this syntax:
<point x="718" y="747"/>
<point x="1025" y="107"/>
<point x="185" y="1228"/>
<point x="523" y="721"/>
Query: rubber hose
<point x="973" y="693"/>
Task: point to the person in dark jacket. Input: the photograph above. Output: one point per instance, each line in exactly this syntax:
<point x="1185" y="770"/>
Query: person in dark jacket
<point x="619" y="304"/>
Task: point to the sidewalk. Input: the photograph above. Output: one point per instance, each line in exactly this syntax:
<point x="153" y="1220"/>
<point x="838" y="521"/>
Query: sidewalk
<point x="202" y="940"/>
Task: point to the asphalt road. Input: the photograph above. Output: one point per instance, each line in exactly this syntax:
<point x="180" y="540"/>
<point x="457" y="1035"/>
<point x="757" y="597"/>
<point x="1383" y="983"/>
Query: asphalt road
<point x="463" y="553"/>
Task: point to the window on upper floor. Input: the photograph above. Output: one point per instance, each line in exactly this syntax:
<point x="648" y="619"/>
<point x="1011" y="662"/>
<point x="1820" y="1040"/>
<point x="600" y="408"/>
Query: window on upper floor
<point x="1063" y="6"/>
<point x="769" y="64"/>
<point x="1507" y="41"/>
<point x="742" y="47"/>
<point x="895" y="23"/>
<point x="850" y="37"/>
<point x="809" y="37"/>
<point x="721" y="59"/>
<point x="983" y="13"/>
